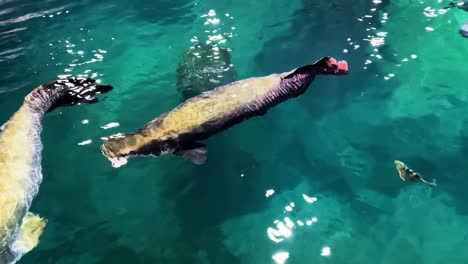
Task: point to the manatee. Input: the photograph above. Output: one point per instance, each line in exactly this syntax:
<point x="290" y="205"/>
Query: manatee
<point x="408" y="175"/>
<point x="20" y="162"/>
<point x="180" y="131"/>
<point x="203" y="68"/>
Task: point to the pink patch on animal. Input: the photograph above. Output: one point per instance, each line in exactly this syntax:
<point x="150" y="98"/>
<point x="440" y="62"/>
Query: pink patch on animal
<point x="331" y="62"/>
<point x="343" y="66"/>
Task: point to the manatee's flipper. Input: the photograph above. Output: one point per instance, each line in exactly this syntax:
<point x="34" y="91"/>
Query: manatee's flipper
<point x="28" y="234"/>
<point x="194" y="152"/>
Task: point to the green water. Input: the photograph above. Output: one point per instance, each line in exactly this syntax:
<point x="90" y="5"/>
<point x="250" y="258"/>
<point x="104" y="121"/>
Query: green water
<point x="404" y="98"/>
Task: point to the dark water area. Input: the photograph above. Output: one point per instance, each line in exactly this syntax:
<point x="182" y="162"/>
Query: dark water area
<point x="313" y="181"/>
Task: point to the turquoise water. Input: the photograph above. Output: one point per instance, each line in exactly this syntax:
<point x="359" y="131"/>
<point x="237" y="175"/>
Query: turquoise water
<point x="311" y="182"/>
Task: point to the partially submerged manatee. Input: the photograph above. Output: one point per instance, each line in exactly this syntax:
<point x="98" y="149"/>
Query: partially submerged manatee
<point x="180" y="131"/>
<point x="203" y="68"/>
<point x="407" y="174"/>
<point x="20" y="162"/>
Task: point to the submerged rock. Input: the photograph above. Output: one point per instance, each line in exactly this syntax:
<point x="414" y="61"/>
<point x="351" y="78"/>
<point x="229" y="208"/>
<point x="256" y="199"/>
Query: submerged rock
<point x="203" y="68"/>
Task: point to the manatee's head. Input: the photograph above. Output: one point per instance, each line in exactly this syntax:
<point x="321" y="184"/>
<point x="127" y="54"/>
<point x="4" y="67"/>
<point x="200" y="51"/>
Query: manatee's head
<point x="120" y="147"/>
<point x="329" y="65"/>
<point x="117" y="149"/>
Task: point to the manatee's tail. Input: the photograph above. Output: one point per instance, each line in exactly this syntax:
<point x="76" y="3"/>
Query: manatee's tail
<point x="71" y="91"/>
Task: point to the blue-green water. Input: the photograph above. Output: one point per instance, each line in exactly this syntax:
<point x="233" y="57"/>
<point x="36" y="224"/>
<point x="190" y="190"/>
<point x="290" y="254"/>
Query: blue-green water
<point x="404" y="98"/>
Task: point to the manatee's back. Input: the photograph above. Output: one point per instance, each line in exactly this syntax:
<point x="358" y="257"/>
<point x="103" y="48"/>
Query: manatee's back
<point x="17" y="147"/>
<point x="213" y="110"/>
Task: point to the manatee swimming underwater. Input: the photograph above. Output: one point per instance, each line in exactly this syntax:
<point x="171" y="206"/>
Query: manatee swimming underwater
<point x="203" y="68"/>
<point x="181" y="130"/>
<point x="20" y="162"/>
<point x="407" y="174"/>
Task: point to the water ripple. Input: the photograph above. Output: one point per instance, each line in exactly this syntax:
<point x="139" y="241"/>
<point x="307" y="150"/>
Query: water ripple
<point x="19" y="24"/>
<point x="10" y="54"/>
<point x="6" y="11"/>
<point x="27" y="17"/>
<point x="13" y="30"/>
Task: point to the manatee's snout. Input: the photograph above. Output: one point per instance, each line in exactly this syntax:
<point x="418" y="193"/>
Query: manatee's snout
<point x="106" y="152"/>
<point x="115" y="147"/>
<point x="329" y="65"/>
<point x="111" y="151"/>
<point x="118" y="148"/>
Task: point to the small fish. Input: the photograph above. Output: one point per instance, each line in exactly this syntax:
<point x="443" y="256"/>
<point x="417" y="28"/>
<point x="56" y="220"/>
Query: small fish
<point x="407" y="174"/>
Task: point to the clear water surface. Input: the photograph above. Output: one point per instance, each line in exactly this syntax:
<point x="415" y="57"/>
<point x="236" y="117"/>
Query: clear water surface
<point x="311" y="182"/>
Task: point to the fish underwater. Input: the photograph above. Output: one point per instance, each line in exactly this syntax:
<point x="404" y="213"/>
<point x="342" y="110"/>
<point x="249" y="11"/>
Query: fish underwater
<point x="408" y="175"/>
<point x="203" y="68"/>
<point x="20" y="162"/>
<point x="180" y="131"/>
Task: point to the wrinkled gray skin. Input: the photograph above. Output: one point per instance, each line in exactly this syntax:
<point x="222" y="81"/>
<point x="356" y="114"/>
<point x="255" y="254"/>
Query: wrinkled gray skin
<point x="203" y="68"/>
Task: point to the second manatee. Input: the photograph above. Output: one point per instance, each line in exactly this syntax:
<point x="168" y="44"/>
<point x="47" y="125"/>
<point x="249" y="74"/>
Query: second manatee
<point x="202" y="68"/>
